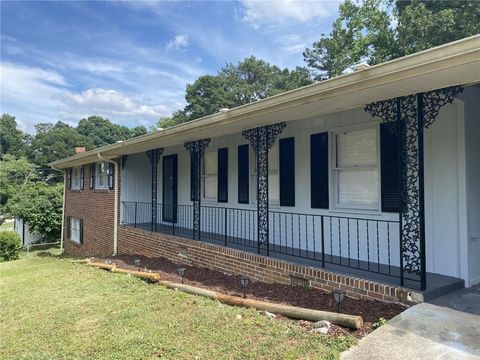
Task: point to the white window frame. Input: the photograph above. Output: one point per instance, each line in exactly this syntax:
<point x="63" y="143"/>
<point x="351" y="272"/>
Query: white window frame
<point x="335" y="171"/>
<point x="209" y="177"/>
<point x="273" y="201"/>
<point x="99" y="175"/>
<point x="75" y="230"/>
<point x="76" y="178"/>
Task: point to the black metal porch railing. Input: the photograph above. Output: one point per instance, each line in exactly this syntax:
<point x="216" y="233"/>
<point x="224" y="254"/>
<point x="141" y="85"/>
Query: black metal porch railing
<point x="363" y="244"/>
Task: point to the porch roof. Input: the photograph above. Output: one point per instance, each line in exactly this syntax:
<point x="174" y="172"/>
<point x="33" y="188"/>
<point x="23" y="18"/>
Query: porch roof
<point x="455" y="63"/>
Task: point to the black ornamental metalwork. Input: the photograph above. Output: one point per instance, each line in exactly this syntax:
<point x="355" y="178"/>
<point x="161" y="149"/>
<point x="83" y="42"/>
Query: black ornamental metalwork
<point x="409" y="116"/>
<point x="196" y="149"/>
<point x="154" y="157"/>
<point x="262" y="139"/>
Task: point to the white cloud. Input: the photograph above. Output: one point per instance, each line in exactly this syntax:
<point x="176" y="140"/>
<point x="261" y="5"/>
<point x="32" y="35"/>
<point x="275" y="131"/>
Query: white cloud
<point x="259" y="13"/>
<point x="109" y="103"/>
<point x="179" y="42"/>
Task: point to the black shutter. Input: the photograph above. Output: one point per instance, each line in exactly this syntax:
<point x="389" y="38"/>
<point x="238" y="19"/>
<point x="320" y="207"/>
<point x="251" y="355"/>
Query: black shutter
<point x="222" y="195"/>
<point x="69" y="233"/>
<point x="287" y="171"/>
<point x="193" y="175"/>
<point x="91" y="180"/>
<point x="81" y="231"/>
<point x="319" y="171"/>
<point x="390" y="168"/>
<point x="111" y="176"/>
<point x="69" y="178"/>
<point x="243" y="174"/>
<point x="82" y="175"/>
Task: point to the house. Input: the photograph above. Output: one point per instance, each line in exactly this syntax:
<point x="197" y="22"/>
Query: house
<point x="369" y="181"/>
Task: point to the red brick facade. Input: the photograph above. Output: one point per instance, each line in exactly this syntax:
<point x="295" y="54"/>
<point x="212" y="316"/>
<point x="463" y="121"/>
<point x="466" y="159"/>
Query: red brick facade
<point x="96" y="208"/>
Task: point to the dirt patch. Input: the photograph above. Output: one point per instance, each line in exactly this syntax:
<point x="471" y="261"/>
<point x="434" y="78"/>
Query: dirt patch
<point x="317" y="299"/>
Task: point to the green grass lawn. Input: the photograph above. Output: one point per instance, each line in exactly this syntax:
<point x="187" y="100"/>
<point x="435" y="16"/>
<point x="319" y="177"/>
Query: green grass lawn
<point x="7" y="226"/>
<point x="51" y="308"/>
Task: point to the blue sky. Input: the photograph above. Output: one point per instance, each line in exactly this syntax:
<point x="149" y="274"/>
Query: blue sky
<point x="131" y="61"/>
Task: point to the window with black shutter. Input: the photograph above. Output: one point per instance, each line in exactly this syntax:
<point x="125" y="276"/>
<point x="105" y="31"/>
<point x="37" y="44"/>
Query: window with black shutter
<point x="111" y="176"/>
<point x="390" y="167"/>
<point x="69" y="179"/>
<point x="319" y="171"/>
<point x="243" y="174"/>
<point x="287" y="171"/>
<point x="91" y="180"/>
<point x="222" y="175"/>
<point x="82" y="176"/>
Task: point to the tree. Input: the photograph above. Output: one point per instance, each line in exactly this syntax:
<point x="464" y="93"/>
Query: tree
<point x="12" y="140"/>
<point x="53" y="142"/>
<point x="365" y="32"/>
<point x="15" y="174"/>
<point x="250" y="80"/>
<point x="103" y="132"/>
<point x="40" y="206"/>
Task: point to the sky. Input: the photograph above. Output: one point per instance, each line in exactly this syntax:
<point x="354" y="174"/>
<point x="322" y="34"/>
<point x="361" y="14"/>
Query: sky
<point x="131" y="61"/>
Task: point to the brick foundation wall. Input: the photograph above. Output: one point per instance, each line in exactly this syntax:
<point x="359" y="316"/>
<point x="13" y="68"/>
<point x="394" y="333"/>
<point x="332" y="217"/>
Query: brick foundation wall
<point x="134" y="241"/>
<point x="95" y="207"/>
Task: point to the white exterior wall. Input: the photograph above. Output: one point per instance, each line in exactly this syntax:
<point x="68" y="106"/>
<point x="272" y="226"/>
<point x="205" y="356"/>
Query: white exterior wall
<point x="472" y="131"/>
<point x="445" y="191"/>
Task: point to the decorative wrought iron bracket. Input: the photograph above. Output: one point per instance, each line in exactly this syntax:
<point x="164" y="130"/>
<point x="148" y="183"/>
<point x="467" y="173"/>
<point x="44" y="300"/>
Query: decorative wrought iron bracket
<point x="197" y="149"/>
<point x="262" y="139"/>
<point x="409" y="116"/>
<point x="154" y="157"/>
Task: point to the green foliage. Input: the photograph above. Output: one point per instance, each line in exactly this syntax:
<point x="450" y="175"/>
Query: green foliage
<point x="102" y="131"/>
<point x="366" y="32"/>
<point x="250" y="80"/>
<point x="14" y="175"/>
<point x="381" y="321"/>
<point x="10" y="245"/>
<point x="53" y="142"/>
<point x="12" y="140"/>
<point x="40" y="206"/>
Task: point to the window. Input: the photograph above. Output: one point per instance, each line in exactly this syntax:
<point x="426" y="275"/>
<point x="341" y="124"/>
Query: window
<point x="101" y="176"/>
<point x="75" y="230"/>
<point x="273" y="178"/>
<point x="355" y="169"/>
<point x="209" y="175"/>
<point x="76" y="178"/>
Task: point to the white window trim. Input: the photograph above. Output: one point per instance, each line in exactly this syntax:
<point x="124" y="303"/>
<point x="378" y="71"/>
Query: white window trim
<point x="210" y="199"/>
<point x="97" y="176"/>
<point x="334" y="204"/>
<point x="76" y="179"/>
<point x="272" y="202"/>
<point x="75" y="232"/>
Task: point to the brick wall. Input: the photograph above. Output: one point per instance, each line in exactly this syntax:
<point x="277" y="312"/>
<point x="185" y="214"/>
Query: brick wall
<point x="95" y="207"/>
<point x="141" y="242"/>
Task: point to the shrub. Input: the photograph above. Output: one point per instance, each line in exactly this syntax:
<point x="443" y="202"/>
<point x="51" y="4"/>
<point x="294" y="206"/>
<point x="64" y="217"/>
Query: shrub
<point x="10" y="245"/>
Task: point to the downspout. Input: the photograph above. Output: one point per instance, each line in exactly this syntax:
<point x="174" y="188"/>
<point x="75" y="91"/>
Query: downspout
<point x="63" y="206"/>
<point x="115" y="207"/>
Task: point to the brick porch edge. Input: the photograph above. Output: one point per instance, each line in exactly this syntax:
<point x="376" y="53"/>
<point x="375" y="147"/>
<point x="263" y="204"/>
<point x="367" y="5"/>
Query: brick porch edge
<point x="134" y="241"/>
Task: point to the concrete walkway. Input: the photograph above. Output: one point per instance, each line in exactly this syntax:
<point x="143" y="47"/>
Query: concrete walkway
<point x="424" y="331"/>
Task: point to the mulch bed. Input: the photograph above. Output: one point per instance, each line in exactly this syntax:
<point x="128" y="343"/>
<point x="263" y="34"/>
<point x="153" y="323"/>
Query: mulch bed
<point x="311" y="298"/>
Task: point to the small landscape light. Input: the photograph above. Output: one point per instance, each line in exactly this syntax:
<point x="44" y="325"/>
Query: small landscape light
<point x="108" y="261"/>
<point x="181" y="272"/>
<point x="338" y="295"/>
<point x="244" y="281"/>
<point x="137" y="263"/>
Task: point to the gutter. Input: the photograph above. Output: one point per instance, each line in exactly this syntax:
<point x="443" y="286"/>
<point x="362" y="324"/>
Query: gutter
<point x="115" y="207"/>
<point x="63" y="206"/>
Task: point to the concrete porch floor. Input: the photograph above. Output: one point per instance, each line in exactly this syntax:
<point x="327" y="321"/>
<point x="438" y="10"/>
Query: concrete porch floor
<point x="447" y="328"/>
